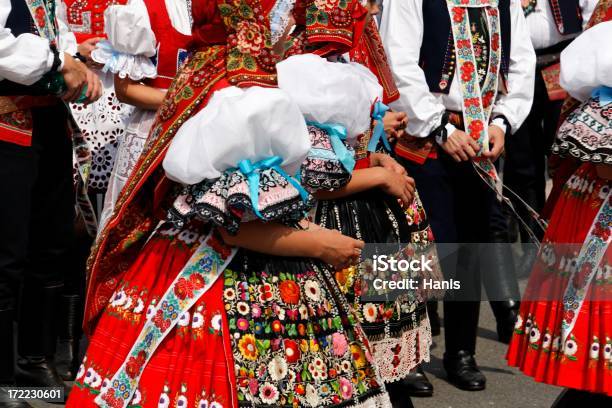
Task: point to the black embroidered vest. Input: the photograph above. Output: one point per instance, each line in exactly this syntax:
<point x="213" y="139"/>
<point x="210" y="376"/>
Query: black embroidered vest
<point x="568" y="16"/>
<point x="437" y="57"/>
<point x="20" y="20"/>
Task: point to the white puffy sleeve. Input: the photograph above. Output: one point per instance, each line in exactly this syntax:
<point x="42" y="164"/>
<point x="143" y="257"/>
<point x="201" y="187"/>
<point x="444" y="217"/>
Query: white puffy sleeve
<point x="586" y="64"/>
<point x="402" y="34"/>
<point x="330" y="92"/>
<point x="131" y="42"/>
<point x="23" y="59"/>
<point x="516" y="104"/>
<point x="237" y="124"/>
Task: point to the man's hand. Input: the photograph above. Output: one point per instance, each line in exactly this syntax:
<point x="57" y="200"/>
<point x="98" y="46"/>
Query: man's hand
<point x="394" y="124"/>
<point x="77" y="76"/>
<point x="460" y="146"/>
<point x="497" y="139"/>
<point x="86" y="47"/>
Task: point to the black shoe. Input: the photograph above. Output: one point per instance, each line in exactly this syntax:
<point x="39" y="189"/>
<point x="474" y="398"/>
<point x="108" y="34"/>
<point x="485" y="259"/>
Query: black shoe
<point x="434" y="317"/>
<point x="67" y="355"/>
<point x="398" y="396"/>
<point x="463" y="372"/>
<point x="416" y="384"/>
<point x="37" y="372"/>
<point x="506" y="313"/>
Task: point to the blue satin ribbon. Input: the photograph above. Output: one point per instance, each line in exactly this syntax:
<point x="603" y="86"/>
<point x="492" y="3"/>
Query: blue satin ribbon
<point x="106" y="45"/>
<point x="252" y="170"/>
<point x="379" y="131"/>
<point x="604" y="93"/>
<point x="337" y="136"/>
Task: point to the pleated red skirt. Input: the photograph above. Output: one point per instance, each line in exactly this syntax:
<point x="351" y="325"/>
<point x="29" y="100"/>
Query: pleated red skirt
<point x="192" y="367"/>
<point x="584" y="361"/>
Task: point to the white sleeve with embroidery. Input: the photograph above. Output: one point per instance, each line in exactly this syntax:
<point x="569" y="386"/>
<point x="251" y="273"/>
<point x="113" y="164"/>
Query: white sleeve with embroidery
<point x="516" y="103"/>
<point x="402" y="33"/>
<point x="23" y="59"/>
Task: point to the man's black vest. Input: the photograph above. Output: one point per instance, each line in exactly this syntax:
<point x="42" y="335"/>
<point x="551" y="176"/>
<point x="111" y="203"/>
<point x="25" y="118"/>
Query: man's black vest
<point x="437" y="57"/>
<point x="19" y="19"/>
<point x="568" y="16"/>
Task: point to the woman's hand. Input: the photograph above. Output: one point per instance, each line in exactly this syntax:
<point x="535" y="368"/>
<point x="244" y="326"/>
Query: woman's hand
<point x="336" y="249"/>
<point x="386" y="161"/>
<point x="397" y="185"/>
<point x="394" y="124"/>
<point x="86" y="47"/>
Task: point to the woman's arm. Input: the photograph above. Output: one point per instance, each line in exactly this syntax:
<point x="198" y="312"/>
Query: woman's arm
<point x="391" y="182"/>
<point x="330" y="246"/>
<point x="137" y="94"/>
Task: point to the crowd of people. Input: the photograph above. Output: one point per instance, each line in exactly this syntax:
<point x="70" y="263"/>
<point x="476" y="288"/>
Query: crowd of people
<point x="192" y="191"/>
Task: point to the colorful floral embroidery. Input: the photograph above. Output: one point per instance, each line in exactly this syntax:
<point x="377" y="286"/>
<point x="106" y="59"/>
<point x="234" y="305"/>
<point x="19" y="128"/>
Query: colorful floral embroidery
<point x="195" y="279"/>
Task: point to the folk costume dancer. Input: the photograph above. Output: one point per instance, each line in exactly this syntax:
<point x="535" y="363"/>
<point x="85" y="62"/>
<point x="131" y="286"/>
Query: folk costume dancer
<point x="146" y="43"/>
<point x="552" y="24"/>
<point x="473" y="64"/>
<point x="36" y="68"/>
<point x="563" y="333"/>
<point x="401" y="341"/>
<point x="270" y="327"/>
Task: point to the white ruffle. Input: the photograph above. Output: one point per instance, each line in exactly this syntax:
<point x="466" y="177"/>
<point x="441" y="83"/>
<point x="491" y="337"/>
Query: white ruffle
<point x="279" y="18"/>
<point x="136" y="67"/>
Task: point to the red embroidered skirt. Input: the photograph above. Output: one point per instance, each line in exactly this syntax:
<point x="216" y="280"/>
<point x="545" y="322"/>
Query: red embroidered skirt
<point x="192" y="367"/>
<point x="585" y="360"/>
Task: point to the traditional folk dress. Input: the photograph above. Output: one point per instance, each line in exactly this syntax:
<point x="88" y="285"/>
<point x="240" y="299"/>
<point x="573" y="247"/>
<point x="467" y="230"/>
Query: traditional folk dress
<point x="398" y="329"/>
<point x="147" y="41"/>
<point x="564" y="332"/>
<point x="270" y="331"/>
<point x="103" y="122"/>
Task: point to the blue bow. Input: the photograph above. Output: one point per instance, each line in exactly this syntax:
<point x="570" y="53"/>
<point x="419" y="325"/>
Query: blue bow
<point x="604" y="93"/>
<point x="337" y="134"/>
<point x="252" y="170"/>
<point x="112" y="62"/>
<point x="379" y="131"/>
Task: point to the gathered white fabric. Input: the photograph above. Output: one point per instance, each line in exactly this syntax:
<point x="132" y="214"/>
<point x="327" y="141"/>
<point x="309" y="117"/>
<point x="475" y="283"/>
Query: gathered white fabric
<point x="586" y="63"/>
<point x="238" y="124"/>
<point x="136" y="67"/>
<point x="330" y="92"/>
<point x="129" y="30"/>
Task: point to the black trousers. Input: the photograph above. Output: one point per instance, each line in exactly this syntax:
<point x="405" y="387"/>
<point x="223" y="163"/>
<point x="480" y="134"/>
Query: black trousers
<point x="526" y="151"/>
<point x="36" y="207"/>
<point x="458" y="205"/>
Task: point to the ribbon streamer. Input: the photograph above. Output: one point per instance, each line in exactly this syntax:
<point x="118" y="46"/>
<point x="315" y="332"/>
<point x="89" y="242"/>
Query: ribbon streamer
<point x="379" y="131"/>
<point x="337" y="135"/>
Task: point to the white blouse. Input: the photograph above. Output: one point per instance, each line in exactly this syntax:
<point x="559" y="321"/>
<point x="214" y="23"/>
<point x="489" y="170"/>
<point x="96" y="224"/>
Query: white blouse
<point x="402" y="34"/>
<point x="586" y="64"/>
<point x="542" y="26"/>
<point x="131" y="41"/>
<point x="26" y="58"/>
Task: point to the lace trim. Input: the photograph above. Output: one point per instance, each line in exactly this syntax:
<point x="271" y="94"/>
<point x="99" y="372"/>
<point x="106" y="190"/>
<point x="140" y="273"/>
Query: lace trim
<point x="396" y="357"/>
<point x="279" y="18"/>
<point x="136" y="67"/>
<point x="227" y="203"/>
